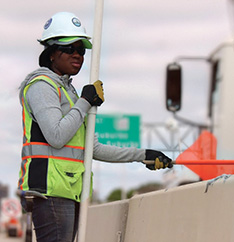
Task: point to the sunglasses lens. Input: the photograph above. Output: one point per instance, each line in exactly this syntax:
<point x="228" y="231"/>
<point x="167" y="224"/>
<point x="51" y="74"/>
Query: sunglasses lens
<point x="69" y="49"/>
<point x="81" y="51"/>
<point x="66" y="49"/>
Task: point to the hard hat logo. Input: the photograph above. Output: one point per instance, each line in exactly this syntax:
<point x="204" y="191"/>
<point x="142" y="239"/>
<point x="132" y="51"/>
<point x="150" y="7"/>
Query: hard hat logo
<point x="76" y="22"/>
<point x="48" y="23"/>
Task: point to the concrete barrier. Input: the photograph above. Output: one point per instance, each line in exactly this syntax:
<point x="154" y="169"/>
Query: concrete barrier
<point x="107" y="222"/>
<point x="183" y="214"/>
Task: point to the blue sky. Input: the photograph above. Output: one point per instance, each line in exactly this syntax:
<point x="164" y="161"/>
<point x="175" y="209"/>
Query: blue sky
<point x="139" y="39"/>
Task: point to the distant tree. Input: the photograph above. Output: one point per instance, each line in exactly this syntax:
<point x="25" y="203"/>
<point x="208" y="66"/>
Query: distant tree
<point x="131" y="193"/>
<point x="116" y="194"/>
<point x="150" y="187"/>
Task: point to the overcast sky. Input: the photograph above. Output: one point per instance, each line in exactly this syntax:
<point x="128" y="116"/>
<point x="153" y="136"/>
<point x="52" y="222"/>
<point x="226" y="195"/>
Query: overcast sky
<point x="139" y="39"/>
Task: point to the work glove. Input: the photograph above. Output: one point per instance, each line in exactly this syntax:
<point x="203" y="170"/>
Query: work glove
<point x="160" y="160"/>
<point x="93" y="93"/>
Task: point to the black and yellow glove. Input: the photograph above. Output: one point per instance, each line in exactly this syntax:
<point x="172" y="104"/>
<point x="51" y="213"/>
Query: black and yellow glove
<point x="160" y="160"/>
<point x="93" y="93"/>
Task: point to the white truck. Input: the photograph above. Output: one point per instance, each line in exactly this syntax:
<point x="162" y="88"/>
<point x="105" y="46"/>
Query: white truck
<point x="220" y="98"/>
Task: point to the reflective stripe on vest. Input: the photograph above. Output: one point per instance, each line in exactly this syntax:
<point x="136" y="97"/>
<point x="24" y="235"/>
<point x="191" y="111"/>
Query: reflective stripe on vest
<point x="38" y="150"/>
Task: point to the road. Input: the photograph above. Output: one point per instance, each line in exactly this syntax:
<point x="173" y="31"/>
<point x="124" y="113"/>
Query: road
<point x="5" y="238"/>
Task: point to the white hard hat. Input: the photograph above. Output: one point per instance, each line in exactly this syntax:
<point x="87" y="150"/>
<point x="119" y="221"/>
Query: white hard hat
<point x="64" y="24"/>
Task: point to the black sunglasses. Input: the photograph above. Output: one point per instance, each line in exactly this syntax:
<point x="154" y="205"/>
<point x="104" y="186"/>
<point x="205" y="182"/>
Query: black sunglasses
<point x="70" y="49"/>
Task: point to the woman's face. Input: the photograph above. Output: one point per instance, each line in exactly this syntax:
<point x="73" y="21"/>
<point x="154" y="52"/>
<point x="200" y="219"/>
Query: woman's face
<point x="63" y="63"/>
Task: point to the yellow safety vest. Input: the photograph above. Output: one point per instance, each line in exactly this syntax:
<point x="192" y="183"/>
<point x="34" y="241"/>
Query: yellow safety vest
<point x="50" y="171"/>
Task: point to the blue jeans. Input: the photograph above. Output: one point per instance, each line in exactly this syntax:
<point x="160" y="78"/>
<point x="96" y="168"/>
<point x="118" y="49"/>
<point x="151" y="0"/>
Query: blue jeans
<point x="55" y="219"/>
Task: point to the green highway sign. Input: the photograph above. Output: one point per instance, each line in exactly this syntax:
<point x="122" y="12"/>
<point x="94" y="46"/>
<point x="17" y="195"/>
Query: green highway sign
<point x="118" y="129"/>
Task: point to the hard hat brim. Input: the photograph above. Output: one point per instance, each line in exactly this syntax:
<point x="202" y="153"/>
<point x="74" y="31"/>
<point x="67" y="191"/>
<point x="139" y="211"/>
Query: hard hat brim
<point x="67" y="41"/>
<point x="70" y="40"/>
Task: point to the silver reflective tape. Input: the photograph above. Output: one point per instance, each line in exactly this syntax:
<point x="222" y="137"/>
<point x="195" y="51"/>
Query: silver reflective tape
<point x="44" y="150"/>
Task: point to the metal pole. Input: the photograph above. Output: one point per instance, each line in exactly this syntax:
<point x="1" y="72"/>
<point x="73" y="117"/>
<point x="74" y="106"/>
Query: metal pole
<point x="204" y="162"/>
<point x="88" y="156"/>
<point x="196" y="162"/>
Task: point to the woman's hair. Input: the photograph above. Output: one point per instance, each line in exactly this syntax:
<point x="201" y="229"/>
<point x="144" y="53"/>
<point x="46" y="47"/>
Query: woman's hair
<point x="44" y="58"/>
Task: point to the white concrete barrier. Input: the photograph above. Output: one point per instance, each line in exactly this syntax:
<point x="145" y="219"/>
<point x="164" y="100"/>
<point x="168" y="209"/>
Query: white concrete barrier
<point x="183" y="214"/>
<point x="107" y="222"/>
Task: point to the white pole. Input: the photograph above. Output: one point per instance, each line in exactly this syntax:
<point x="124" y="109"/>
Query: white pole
<point x="88" y="156"/>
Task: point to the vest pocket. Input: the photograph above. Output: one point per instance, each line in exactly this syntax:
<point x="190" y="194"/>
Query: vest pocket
<point x="65" y="179"/>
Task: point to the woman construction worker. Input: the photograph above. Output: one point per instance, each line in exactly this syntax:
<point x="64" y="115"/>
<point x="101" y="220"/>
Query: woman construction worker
<point x="54" y="130"/>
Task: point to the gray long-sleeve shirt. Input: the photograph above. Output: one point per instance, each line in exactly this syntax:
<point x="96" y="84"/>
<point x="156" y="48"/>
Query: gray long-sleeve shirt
<point x="58" y="122"/>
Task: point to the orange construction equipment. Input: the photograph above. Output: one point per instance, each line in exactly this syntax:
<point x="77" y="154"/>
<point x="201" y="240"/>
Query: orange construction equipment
<point x="13" y="228"/>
